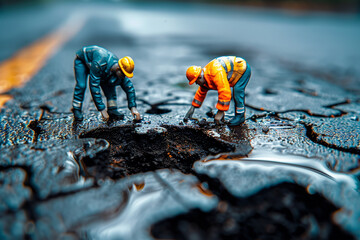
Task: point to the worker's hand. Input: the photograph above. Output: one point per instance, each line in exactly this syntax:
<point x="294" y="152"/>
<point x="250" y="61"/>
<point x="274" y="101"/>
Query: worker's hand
<point x="189" y="114"/>
<point x="104" y="115"/>
<point x="135" y="113"/>
<point x="219" y="117"/>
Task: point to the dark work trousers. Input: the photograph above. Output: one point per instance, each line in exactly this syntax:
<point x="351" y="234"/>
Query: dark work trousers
<point x="81" y="77"/>
<point x="239" y="91"/>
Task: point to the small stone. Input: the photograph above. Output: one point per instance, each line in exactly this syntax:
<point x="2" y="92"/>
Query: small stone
<point x="146" y="130"/>
<point x="355" y="118"/>
<point x="265" y="129"/>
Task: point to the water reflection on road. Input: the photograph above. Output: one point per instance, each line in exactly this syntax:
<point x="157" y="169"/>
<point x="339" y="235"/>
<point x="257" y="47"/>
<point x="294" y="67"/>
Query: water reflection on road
<point x="262" y="168"/>
<point x="159" y="195"/>
<point x="267" y="161"/>
<point x="166" y="193"/>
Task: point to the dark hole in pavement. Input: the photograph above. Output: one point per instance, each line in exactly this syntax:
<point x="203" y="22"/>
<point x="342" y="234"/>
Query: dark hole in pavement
<point x="156" y="110"/>
<point x="305" y="91"/>
<point x="132" y="152"/>
<point x="155" y="106"/>
<point x="268" y="91"/>
<point x="210" y="113"/>
<point x="34" y="125"/>
<point x="285" y="211"/>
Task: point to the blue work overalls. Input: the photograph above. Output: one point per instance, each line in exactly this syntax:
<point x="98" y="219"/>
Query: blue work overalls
<point x="239" y="91"/>
<point x="240" y="85"/>
<point x="94" y="63"/>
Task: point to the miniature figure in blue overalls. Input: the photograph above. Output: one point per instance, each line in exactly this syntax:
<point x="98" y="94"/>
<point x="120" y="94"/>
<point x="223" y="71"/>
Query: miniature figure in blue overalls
<point x="105" y="70"/>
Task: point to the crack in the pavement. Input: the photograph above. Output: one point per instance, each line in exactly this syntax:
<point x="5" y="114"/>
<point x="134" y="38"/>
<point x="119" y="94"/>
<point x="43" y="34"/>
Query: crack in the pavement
<point x="27" y="205"/>
<point x="105" y="215"/>
<point x="174" y="194"/>
<point x="34" y="125"/>
<point x="216" y="187"/>
<point x="314" y="137"/>
<point x="310" y="133"/>
<point x="347" y="101"/>
<point x="68" y="193"/>
<point x="306" y="111"/>
<point x="308" y="92"/>
<point x="255" y="216"/>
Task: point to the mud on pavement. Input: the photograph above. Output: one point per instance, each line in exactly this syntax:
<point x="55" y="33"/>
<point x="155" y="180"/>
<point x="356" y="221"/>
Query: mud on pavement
<point x="135" y="150"/>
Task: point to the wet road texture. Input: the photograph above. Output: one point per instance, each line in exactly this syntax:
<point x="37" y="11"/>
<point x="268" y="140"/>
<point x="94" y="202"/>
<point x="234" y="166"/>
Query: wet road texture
<point x="290" y="172"/>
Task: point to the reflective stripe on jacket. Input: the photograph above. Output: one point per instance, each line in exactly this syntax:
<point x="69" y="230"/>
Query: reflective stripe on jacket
<point x="234" y="68"/>
<point x="220" y="74"/>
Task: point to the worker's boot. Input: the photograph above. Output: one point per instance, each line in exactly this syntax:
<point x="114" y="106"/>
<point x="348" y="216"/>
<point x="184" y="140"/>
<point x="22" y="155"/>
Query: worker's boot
<point x="77" y="114"/>
<point x="115" y="114"/>
<point x="237" y="120"/>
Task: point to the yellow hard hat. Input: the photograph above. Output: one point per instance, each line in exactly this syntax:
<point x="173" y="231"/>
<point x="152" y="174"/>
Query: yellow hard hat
<point x="127" y="66"/>
<point x="192" y="73"/>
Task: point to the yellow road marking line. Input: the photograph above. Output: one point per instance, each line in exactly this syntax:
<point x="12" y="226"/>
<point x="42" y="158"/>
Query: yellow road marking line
<point x="20" y="68"/>
<point x="4" y="98"/>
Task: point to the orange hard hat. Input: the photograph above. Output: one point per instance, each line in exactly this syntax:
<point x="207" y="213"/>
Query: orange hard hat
<point x="192" y="73"/>
<point x="127" y="66"/>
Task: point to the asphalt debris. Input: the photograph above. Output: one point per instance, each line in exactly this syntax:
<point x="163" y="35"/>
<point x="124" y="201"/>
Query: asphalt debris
<point x="134" y="152"/>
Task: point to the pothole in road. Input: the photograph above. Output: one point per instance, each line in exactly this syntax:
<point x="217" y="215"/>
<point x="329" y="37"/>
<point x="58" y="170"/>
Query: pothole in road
<point x="285" y="211"/>
<point x="134" y="152"/>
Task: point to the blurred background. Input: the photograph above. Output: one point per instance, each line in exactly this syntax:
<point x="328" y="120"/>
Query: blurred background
<point x="318" y="36"/>
<point x="329" y="5"/>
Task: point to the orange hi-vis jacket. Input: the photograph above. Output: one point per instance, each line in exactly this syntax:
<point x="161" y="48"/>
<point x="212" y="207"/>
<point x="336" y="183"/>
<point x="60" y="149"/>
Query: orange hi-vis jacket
<point x="220" y="74"/>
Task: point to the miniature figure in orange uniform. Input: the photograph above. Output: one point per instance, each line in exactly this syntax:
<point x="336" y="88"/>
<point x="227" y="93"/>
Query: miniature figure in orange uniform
<point x="221" y="74"/>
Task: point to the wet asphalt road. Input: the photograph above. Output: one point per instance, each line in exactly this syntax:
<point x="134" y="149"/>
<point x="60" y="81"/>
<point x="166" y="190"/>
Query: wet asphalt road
<point x="300" y="140"/>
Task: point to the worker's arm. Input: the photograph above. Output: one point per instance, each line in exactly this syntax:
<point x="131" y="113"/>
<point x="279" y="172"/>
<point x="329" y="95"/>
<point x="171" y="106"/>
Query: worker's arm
<point x="224" y="91"/>
<point x="196" y="103"/>
<point x="129" y="89"/>
<point x="95" y="73"/>
<point x="199" y="97"/>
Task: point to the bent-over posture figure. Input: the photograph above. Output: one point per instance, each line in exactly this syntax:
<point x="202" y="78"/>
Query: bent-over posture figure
<point x="221" y="74"/>
<point x="103" y="69"/>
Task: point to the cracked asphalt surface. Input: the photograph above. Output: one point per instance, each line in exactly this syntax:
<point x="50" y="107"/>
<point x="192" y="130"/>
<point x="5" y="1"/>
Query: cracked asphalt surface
<point x="291" y="171"/>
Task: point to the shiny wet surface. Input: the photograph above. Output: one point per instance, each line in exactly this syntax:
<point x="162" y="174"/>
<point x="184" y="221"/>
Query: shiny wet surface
<point x="260" y="216"/>
<point x="234" y="212"/>
<point x="294" y="166"/>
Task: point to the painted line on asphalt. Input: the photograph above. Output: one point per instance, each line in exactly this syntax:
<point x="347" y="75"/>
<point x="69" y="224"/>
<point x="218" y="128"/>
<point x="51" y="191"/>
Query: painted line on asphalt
<point x="27" y="62"/>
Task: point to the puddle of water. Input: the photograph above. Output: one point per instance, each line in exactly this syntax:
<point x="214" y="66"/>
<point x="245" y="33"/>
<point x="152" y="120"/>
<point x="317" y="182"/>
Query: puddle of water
<point x="248" y="175"/>
<point x="268" y="161"/>
<point x="159" y="195"/>
<point x="277" y="124"/>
